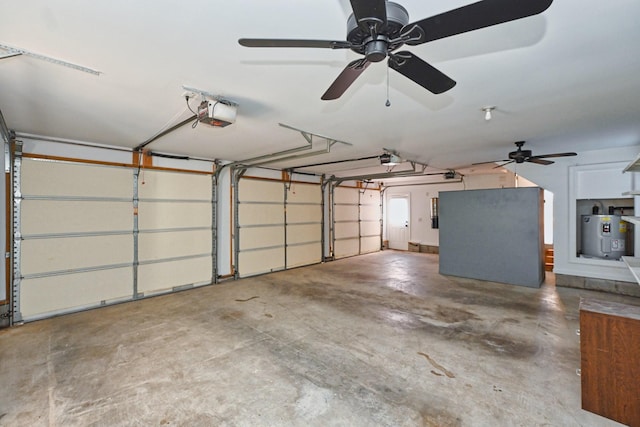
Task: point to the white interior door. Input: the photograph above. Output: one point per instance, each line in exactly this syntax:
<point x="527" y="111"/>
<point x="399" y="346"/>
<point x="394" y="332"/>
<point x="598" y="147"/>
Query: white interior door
<point x="398" y="220"/>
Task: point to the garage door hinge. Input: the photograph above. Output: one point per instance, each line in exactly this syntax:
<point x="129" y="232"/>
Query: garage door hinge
<point x="5" y="315"/>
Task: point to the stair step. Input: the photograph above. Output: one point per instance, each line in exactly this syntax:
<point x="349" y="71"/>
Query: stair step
<point x="548" y="259"/>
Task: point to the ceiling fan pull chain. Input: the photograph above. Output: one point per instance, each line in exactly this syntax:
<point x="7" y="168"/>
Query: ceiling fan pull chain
<point x="388" y="103"/>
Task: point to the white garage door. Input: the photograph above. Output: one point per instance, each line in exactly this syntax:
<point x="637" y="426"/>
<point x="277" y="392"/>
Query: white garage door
<point x="88" y="235"/>
<point x="74" y="236"/>
<point x="279" y="225"/>
<point x="175" y="231"/>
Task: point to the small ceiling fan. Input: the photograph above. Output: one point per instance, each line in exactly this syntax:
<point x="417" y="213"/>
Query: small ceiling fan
<point x="377" y="28"/>
<point x="521" y="156"/>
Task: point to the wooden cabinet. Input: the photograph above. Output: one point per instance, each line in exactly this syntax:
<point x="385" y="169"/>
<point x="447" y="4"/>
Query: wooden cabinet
<point x="610" y="360"/>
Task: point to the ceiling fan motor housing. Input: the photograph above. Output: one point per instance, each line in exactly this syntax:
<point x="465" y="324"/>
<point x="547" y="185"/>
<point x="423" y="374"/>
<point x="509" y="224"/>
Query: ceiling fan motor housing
<point x="376" y="46"/>
<point x="520" y="155"/>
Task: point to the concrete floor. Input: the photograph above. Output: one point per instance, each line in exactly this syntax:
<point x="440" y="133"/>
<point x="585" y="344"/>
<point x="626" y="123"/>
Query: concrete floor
<point x="376" y="340"/>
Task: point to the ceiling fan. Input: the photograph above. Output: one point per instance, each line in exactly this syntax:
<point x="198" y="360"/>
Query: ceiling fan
<point x="377" y="28"/>
<point x="521" y="156"/>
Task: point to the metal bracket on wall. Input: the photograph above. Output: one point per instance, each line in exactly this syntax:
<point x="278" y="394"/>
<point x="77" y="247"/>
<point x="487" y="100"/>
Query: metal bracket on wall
<point x="236" y="174"/>
<point x="7" y="136"/>
<point x="136" y="233"/>
<point x="309" y="135"/>
<point x="417" y="169"/>
<point x="214" y="227"/>
<point x="15" y="51"/>
<point x="17" y="238"/>
<point x="291" y="154"/>
<point x="360" y="222"/>
<point x="332" y="219"/>
<point x="7" y="158"/>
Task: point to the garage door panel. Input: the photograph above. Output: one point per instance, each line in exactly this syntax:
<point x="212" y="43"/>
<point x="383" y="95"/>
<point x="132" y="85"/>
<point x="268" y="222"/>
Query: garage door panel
<point x="356" y="221"/>
<point x="370" y="197"/>
<point x="370" y="229"/>
<point x="345" y="213"/>
<point x="253" y="214"/>
<point x="175" y="240"/>
<point x="57" y="217"/>
<point x="54" y="255"/>
<point x="50" y="178"/>
<point x="370" y="213"/>
<point x="260" y="191"/>
<point x="299" y="255"/>
<point x="165" y="276"/>
<point x="344" y="248"/>
<point x="346" y="195"/>
<point x="370" y="244"/>
<point x="45" y="296"/>
<point x="304" y="213"/>
<point x="261" y="261"/>
<point x="155" y="246"/>
<point x="304" y="225"/>
<point x="164" y="215"/>
<point x="175" y="185"/>
<point x="304" y="233"/>
<point x="346" y="229"/>
<point x="77" y="223"/>
<point x="175" y="217"/>
<point x="261" y="237"/>
<point x="261" y="220"/>
<point x="304" y="193"/>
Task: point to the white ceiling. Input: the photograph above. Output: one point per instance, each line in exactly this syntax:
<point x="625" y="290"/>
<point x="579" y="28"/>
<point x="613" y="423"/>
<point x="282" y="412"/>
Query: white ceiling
<point x="565" y="80"/>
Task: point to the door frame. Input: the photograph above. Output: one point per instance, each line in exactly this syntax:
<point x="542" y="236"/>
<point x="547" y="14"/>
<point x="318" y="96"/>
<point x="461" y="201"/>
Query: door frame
<point x="407" y="197"/>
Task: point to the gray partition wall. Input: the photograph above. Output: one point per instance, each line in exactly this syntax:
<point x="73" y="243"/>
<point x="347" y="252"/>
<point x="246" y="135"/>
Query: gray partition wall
<point x="495" y="235"/>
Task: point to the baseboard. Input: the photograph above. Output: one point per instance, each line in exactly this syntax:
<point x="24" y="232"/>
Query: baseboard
<point x="602" y="285"/>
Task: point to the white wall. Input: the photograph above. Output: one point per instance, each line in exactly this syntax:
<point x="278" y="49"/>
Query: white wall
<point x="557" y="179"/>
<point x="420" y="199"/>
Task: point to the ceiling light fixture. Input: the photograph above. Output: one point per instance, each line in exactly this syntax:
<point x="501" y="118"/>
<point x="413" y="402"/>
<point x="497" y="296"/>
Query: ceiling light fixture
<point x="487" y="112"/>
